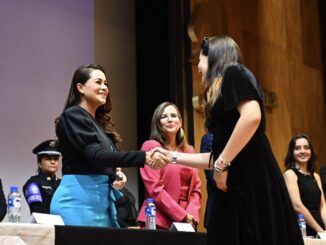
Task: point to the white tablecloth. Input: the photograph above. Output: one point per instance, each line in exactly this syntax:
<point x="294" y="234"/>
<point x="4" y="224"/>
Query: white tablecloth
<point x="310" y="241"/>
<point x="30" y="234"/>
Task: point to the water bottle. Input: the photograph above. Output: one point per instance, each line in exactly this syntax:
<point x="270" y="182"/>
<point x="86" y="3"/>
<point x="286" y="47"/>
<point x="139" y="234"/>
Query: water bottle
<point x="14" y="205"/>
<point x="302" y="225"/>
<point x="150" y="213"/>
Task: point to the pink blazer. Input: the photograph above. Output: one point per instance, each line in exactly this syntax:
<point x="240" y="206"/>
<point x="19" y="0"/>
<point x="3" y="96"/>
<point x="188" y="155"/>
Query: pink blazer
<point x="164" y="187"/>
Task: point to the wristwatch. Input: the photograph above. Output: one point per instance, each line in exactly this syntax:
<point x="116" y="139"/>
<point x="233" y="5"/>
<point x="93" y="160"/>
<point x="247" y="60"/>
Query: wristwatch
<point x="174" y="155"/>
<point x="217" y="167"/>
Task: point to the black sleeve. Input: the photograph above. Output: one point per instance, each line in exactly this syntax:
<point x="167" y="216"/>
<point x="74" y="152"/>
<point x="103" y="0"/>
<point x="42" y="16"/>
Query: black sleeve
<point x="239" y="84"/>
<point x="3" y="205"/>
<point x="98" y="156"/>
<point x="80" y="132"/>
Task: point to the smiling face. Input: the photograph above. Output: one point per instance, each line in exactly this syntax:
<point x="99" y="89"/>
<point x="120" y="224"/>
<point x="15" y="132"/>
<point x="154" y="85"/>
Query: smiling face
<point x="302" y="151"/>
<point x="95" y="90"/>
<point x="203" y="67"/>
<point x="170" y="121"/>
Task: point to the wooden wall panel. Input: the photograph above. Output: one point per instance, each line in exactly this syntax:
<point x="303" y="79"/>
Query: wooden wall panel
<point x="275" y="37"/>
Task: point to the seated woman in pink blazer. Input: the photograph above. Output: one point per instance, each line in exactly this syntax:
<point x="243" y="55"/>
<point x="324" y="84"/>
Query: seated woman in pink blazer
<point x="175" y="188"/>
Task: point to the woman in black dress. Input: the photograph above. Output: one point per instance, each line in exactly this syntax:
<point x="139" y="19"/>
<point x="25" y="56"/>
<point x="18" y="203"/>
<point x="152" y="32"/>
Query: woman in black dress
<point x="255" y="207"/>
<point x="87" y="138"/>
<point x="304" y="184"/>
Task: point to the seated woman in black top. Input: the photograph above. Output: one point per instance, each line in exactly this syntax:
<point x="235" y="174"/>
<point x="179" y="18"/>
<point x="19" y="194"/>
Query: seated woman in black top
<point x="304" y="184"/>
<point x="3" y="205"/>
<point x="87" y="138"/>
<point x="39" y="189"/>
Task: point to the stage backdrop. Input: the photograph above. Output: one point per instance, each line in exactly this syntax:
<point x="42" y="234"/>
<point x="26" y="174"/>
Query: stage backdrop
<point x="42" y="43"/>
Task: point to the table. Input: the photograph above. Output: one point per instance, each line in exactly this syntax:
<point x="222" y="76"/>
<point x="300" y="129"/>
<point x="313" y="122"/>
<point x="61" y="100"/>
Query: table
<point x="65" y="235"/>
<point x="40" y="234"/>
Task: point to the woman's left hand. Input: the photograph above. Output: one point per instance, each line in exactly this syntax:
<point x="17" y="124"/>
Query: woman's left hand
<point x="220" y="179"/>
<point x="191" y="220"/>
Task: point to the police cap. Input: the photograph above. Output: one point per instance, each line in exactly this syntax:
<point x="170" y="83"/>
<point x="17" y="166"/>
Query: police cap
<point x="47" y="147"/>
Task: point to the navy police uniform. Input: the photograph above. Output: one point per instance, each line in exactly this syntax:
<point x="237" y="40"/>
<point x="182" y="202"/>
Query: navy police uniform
<point x="39" y="189"/>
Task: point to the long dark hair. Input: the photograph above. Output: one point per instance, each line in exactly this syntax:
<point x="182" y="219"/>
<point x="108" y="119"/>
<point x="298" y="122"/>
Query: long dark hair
<point x="157" y="132"/>
<point x="289" y="159"/>
<point x="222" y="51"/>
<point x="102" y="115"/>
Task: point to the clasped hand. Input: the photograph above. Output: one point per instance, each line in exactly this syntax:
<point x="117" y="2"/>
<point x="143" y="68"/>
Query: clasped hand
<point x="121" y="179"/>
<point x="157" y="158"/>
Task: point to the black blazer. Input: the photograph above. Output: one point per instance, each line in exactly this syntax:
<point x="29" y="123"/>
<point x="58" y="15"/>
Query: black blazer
<point x="3" y="205"/>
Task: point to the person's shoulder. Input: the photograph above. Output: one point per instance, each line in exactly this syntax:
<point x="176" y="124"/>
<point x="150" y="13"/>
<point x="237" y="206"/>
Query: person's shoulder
<point x="75" y="109"/>
<point x="289" y="173"/>
<point x="238" y="71"/>
<point x="34" y="178"/>
<point x="237" y="67"/>
<point x="316" y="176"/>
<point x="150" y="144"/>
<point x="76" y="115"/>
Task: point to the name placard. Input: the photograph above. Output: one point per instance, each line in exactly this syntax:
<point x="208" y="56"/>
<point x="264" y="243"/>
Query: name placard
<point x="49" y="219"/>
<point x="177" y="226"/>
<point x="321" y="235"/>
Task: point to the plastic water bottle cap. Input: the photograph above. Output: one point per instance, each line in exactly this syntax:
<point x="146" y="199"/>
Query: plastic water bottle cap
<point x="14" y="188"/>
<point x="149" y="200"/>
<point x="300" y="216"/>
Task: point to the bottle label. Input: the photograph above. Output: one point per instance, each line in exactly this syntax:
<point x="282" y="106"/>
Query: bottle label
<point x="150" y="211"/>
<point x="302" y="225"/>
<point x="14" y="202"/>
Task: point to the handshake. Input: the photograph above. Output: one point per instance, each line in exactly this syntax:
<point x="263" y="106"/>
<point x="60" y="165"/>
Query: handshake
<point x="157" y="158"/>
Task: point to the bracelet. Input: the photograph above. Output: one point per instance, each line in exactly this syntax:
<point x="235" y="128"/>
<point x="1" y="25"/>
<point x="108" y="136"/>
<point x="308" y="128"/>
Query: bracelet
<point x="218" y="168"/>
<point x="223" y="162"/>
<point x="174" y="155"/>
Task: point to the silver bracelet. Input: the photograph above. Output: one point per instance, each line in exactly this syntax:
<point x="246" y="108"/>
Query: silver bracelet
<point x="225" y="164"/>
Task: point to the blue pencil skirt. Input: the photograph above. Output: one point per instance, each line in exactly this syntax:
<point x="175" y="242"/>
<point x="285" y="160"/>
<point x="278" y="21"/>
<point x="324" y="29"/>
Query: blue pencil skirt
<point x="85" y="200"/>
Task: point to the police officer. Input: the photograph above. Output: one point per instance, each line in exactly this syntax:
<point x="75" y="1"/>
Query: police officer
<point x="39" y="189"/>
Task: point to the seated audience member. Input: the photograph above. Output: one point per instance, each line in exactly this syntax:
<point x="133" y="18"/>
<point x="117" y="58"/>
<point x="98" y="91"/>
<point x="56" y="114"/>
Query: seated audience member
<point x="175" y="189"/>
<point x="3" y="203"/>
<point x="206" y="146"/>
<point x="39" y="189"/>
<point x="304" y="184"/>
<point x="323" y="176"/>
